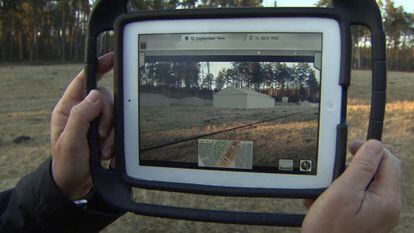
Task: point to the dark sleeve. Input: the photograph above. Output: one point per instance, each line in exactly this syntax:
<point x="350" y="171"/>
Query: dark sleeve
<point x="37" y="205"/>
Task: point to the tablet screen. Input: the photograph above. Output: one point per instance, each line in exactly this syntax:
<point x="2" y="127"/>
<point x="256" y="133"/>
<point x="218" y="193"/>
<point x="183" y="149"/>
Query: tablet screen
<point x="230" y="101"/>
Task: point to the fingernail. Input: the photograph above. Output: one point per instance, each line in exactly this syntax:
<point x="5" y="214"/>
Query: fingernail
<point x="92" y="97"/>
<point x="106" y="55"/>
<point x="374" y="146"/>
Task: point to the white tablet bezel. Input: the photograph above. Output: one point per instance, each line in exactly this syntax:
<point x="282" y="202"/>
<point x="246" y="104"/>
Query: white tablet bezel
<point x="330" y="106"/>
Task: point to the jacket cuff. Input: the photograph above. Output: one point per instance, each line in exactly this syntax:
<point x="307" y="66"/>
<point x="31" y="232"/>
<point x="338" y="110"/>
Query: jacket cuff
<point x="57" y="213"/>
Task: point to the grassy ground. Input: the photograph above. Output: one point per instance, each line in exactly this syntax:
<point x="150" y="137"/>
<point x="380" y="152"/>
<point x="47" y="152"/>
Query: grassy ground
<point x="278" y="137"/>
<point x="28" y="93"/>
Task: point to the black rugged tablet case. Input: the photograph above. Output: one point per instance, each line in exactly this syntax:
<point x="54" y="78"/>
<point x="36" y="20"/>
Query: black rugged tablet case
<point x="115" y="186"/>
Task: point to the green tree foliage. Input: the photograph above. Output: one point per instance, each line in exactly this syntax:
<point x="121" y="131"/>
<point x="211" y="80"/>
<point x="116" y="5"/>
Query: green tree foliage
<point x="33" y="30"/>
<point x="395" y="24"/>
<point x="55" y="30"/>
<point x="208" y="81"/>
<point x="257" y="77"/>
<point x="324" y="3"/>
<point x="399" y="29"/>
<point x="190" y="4"/>
<point x="230" y="3"/>
<point x="172" y="74"/>
<point x="220" y="80"/>
<point x="298" y="81"/>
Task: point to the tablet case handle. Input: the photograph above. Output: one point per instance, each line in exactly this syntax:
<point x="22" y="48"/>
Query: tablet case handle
<point x="117" y="193"/>
<point x="367" y="13"/>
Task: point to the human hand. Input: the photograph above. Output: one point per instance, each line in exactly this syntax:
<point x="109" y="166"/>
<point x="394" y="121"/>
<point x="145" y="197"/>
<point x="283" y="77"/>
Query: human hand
<point x="365" y="198"/>
<point x="70" y="123"/>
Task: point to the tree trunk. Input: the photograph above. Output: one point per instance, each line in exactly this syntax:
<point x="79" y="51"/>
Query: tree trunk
<point x="412" y="56"/>
<point x="63" y="32"/>
<point x="31" y="34"/>
<point x="72" y="22"/>
<point x="20" y="38"/>
<point x="3" y="41"/>
<point x="358" y="57"/>
<point x="31" y="39"/>
<point x="75" y="45"/>
<point x="9" y="41"/>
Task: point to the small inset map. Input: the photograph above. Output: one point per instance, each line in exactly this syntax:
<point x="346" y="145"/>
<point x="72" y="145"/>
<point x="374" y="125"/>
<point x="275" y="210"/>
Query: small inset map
<point x="225" y="153"/>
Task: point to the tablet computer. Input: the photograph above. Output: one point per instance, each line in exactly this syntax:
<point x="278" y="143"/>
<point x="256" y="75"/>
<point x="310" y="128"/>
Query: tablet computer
<point x="235" y="103"/>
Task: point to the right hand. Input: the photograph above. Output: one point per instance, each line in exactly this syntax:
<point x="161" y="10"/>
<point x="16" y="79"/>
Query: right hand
<point x="366" y="198"/>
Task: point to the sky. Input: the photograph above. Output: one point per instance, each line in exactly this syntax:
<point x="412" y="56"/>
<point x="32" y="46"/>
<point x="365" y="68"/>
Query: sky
<point x="407" y="4"/>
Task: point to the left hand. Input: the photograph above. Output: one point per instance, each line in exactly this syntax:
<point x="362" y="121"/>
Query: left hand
<point x="70" y="123"/>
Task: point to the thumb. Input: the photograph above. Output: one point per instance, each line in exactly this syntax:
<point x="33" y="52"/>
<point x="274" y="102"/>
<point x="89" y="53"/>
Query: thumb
<point x="81" y="115"/>
<point x="363" y="167"/>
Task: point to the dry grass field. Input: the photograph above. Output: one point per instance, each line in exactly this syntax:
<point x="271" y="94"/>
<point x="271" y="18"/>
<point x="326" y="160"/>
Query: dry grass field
<point x="277" y="133"/>
<point x="28" y="94"/>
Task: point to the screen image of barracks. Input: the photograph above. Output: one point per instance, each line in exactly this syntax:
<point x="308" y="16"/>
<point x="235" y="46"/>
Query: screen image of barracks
<point x="230" y="101"/>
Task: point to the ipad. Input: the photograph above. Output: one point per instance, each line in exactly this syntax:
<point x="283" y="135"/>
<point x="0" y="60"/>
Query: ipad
<point x="238" y="103"/>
